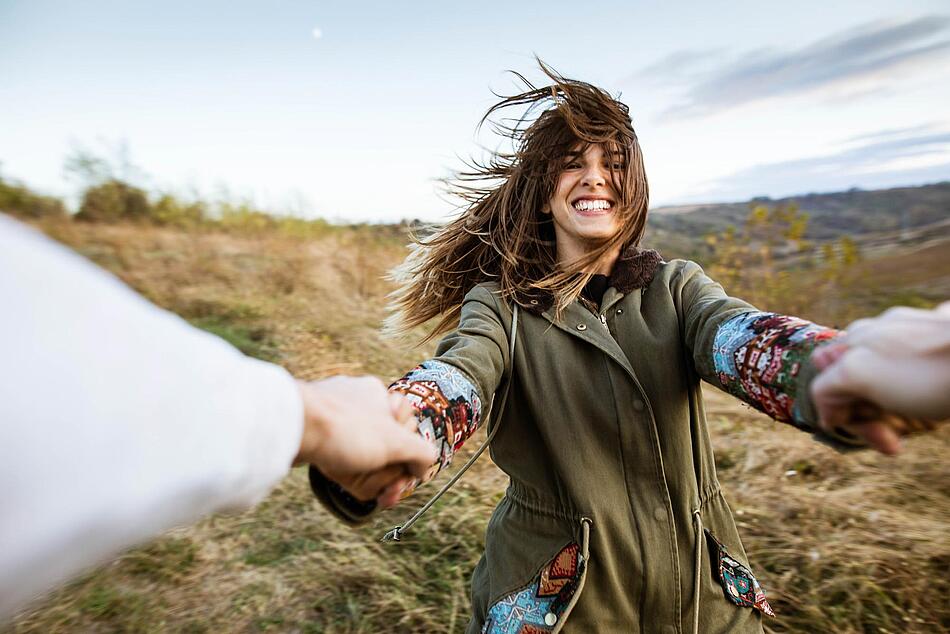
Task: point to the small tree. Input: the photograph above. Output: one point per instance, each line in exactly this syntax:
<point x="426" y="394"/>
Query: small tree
<point x="769" y="262"/>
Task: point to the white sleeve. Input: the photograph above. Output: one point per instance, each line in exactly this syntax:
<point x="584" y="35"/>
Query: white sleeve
<point x="118" y="419"/>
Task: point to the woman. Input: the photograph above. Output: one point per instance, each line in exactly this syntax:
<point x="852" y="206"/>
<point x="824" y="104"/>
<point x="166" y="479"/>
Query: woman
<point x="614" y="520"/>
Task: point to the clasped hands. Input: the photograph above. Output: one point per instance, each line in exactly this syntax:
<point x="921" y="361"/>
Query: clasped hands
<point x="887" y="377"/>
<point x="362" y="437"/>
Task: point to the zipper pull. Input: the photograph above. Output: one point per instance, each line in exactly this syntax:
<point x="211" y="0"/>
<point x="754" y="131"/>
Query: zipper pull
<point x="603" y="320"/>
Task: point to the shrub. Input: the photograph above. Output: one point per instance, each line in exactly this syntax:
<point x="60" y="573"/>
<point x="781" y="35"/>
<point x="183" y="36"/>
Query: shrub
<point x="169" y="210"/>
<point x="20" y="201"/>
<point x="114" y="200"/>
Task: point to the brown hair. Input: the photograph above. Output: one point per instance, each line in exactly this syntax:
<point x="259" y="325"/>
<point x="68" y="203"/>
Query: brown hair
<point x="501" y="233"/>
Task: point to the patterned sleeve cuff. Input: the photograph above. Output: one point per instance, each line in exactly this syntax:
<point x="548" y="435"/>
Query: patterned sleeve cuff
<point x="448" y="410"/>
<point x="764" y="359"/>
<point x="447" y="406"/>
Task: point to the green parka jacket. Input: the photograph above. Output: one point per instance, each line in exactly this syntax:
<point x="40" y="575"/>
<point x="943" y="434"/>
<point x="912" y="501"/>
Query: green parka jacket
<point x="613" y="495"/>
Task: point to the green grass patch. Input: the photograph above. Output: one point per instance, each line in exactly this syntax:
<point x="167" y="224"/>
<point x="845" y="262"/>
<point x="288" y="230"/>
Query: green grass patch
<point x="277" y="548"/>
<point x="166" y="560"/>
<point x="254" y="341"/>
<point x="123" y="609"/>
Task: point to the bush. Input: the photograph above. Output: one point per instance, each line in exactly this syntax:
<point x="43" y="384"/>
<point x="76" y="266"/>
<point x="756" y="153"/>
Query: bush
<point x="18" y="200"/>
<point x="169" y="210"/>
<point x="114" y="200"/>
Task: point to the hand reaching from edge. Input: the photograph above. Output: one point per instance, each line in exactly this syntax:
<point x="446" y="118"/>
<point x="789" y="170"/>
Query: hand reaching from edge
<point x="363" y="437"/>
<point x="890" y="375"/>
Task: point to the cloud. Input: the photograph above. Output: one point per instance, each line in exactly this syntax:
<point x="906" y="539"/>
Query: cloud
<point x="887" y="158"/>
<point x="875" y="50"/>
<point x="677" y="65"/>
<point x="890" y="133"/>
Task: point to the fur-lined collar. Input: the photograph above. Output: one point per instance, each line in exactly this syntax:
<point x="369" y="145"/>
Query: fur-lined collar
<point x="634" y="269"/>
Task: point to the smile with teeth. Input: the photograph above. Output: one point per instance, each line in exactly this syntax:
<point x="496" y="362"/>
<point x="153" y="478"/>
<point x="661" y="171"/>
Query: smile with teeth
<point x="588" y="204"/>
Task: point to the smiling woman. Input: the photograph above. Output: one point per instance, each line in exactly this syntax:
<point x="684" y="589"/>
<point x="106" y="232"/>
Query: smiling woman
<point x="614" y="520"/>
<point x="507" y="234"/>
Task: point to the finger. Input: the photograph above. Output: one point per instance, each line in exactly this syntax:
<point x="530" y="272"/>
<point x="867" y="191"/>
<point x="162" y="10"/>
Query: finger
<point x="400" y="406"/>
<point x="879" y="436"/>
<point x="370" y="486"/>
<point x="833" y="396"/>
<point x="394" y="492"/>
<point x="411" y="424"/>
<point x="412" y="450"/>
<point x="827" y="354"/>
<point x="852" y="374"/>
<point x="892" y="326"/>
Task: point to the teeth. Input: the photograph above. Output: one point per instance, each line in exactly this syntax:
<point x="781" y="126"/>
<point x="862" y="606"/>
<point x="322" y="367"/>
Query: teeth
<point x="591" y="205"/>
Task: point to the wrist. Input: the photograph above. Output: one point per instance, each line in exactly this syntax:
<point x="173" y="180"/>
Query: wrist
<point x="314" y="423"/>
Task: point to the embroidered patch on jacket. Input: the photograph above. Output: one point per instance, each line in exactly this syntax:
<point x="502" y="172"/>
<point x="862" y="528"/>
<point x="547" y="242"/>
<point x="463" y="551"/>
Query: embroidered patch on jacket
<point x="446" y="404"/>
<point x="738" y="583"/>
<point x="758" y="357"/>
<point x="539" y="607"/>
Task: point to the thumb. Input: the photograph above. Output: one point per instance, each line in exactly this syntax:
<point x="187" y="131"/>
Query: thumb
<point x="408" y="447"/>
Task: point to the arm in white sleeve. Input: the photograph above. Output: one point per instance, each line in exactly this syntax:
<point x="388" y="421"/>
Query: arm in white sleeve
<point x="118" y="420"/>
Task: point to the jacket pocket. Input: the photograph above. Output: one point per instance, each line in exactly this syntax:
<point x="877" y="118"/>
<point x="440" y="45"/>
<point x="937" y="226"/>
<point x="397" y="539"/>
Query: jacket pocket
<point x="544" y="604"/>
<point x="738" y="583"/>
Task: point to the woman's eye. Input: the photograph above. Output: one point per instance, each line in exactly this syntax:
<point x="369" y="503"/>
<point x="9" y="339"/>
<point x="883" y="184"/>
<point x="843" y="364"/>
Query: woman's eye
<point x="619" y="167"/>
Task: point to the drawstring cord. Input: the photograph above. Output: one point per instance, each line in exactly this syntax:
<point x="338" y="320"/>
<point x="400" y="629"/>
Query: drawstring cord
<point x="397" y="532"/>
<point x="698" y="522"/>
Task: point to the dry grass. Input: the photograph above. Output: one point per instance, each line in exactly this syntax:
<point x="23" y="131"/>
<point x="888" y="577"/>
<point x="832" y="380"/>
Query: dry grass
<point x="854" y="543"/>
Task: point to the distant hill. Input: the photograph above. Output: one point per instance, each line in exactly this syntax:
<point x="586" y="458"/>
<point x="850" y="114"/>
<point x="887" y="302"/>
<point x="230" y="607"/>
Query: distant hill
<point x="854" y="212"/>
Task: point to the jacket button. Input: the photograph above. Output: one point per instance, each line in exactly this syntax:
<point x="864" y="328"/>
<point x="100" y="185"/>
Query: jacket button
<point x="660" y="513"/>
<point x="582" y="327"/>
<point x="550" y="619"/>
<point x="639" y="406"/>
<point x="534" y="302"/>
<point x="620" y="311"/>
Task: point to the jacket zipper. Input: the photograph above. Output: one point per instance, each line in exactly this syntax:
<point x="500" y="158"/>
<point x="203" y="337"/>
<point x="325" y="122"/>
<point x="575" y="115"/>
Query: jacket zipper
<point x="603" y="320"/>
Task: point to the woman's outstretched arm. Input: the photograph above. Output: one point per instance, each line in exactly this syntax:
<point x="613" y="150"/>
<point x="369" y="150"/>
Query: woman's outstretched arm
<point x="763" y="358"/>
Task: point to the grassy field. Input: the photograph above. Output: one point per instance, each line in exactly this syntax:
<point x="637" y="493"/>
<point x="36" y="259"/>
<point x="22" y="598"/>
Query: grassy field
<point x="853" y="543"/>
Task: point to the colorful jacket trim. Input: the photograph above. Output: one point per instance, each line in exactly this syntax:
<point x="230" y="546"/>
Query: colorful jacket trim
<point x="758" y="357"/>
<point x="538" y="607"/>
<point x="447" y="407"/>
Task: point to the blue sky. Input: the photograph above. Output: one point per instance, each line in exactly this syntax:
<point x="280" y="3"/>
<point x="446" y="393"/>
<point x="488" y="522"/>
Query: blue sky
<point x="354" y="112"/>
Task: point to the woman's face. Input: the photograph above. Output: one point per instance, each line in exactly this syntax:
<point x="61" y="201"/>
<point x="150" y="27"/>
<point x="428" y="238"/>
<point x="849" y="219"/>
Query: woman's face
<point x="584" y="201"/>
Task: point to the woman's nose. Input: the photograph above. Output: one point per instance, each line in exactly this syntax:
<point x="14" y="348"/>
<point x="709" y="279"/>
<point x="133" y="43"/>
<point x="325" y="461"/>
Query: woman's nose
<point x="594" y="175"/>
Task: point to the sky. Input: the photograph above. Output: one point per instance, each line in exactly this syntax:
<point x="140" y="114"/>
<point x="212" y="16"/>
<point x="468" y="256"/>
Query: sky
<point x="355" y="111"/>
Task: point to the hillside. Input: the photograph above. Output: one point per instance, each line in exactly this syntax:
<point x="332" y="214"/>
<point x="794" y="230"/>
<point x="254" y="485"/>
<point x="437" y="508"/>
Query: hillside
<point x="842" y="543"/>
<point x="854" y="212"/>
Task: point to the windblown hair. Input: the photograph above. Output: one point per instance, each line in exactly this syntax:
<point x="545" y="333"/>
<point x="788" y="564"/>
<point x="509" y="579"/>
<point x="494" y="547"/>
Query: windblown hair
<point x="501" y="233"/>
